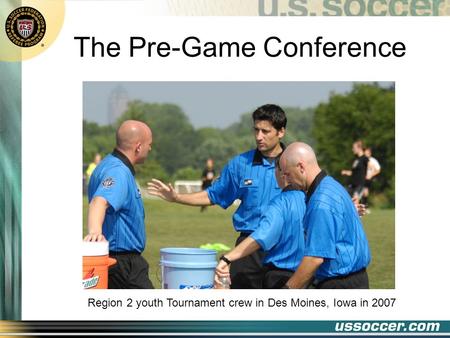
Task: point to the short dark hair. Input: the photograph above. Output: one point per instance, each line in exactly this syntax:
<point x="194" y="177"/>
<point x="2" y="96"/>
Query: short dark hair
<point x="272" y="113"/>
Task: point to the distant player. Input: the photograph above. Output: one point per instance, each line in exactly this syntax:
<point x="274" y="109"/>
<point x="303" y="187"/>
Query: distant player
<point x="373" y="169"/>
<point x="208" y="176"/>
<point x="358" y="172"/>
<point x="90" y="169"/>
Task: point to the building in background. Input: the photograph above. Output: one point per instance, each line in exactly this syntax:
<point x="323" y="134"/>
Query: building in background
<point x="117" y="104"/>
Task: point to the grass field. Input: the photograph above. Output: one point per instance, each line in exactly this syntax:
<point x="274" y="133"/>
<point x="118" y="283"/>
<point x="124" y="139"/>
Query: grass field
<point x="173" y="225"/>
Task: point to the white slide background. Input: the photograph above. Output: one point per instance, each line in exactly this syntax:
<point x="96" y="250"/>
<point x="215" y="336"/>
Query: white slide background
<point x="52" y="150"/>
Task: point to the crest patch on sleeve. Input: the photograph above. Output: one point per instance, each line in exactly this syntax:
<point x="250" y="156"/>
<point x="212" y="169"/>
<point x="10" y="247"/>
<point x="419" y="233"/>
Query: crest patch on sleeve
<point x="108" y="182"/>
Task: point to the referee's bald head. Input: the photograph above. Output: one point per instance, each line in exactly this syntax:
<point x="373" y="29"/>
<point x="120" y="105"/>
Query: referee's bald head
<point x="134" y="138"/>
<point x="299" y="164"/>
<point x="299" y="151"/>
<point x="129" y="132"/>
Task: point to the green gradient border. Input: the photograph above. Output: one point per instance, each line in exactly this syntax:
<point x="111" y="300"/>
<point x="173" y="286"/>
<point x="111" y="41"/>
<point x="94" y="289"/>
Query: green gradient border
<point x="10" y="190"/>
<point x="65" y="328"/>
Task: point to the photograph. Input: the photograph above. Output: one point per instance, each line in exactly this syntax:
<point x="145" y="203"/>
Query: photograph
<point x="239" y="185"/>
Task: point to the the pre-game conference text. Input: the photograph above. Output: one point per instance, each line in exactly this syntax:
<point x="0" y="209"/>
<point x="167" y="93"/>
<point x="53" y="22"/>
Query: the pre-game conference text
<point x="273" y="46"/>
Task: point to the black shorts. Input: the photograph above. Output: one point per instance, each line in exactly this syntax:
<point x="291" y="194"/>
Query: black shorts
<point x="130" y="272"/>
<point x="356" y="280"/>
<point x="356" y="190"/>
<point x="247" y="272"/>
<point x="275" y="278"/>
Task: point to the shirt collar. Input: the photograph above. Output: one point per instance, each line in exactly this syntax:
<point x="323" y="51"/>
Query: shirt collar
<point x="121" y="156"/>
<point x="320" y="176"/>
<point x="258" y="156"/>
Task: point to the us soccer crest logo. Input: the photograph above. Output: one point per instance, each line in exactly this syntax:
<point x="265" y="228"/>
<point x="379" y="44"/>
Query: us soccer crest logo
<point x="25" y="26"/>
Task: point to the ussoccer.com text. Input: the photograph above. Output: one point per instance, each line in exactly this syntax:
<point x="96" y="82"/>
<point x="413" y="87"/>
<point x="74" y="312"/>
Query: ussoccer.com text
<point x="350" y="7"/>
<point x="387" y="327"/>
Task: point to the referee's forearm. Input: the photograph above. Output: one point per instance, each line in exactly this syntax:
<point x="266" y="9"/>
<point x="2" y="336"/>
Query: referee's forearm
<point x="96" y="215"/>
<point x="305" y="272"/>
<point x="245" y="248"/>
<point x="195" y="199"/>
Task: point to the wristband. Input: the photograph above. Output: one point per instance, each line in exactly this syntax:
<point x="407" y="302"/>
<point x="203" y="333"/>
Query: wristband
<point x="226" y="260"/>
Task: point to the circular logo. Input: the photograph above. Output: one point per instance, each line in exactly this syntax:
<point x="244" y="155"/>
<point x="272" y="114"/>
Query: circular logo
<point x="25" y="26"/>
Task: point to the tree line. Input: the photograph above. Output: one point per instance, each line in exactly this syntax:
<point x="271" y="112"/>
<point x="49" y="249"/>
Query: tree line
<point x="179" y="150"/>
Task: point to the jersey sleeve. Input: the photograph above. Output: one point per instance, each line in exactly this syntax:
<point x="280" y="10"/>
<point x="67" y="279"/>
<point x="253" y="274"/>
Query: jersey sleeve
<point x="320" y="234"/>
<point x="270" y="227"/>
<point x="225" y="189"/>
<point x="375" y="163"/>
<point x="113" y="188"/>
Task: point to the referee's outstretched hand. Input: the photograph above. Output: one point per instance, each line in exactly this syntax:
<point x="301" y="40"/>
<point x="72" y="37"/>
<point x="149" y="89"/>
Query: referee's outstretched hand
<point x="164" y="191"/>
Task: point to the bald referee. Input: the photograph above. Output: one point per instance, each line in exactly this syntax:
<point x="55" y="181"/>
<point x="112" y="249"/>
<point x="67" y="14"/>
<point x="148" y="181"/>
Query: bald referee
<point x="116" y="211"/>
<point x="280" y="234"/>
<point x="336" y="248"/>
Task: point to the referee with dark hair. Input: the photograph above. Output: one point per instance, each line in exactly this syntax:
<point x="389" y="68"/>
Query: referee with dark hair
<point x="248" y="177"/>
<point x="358" y="172"/>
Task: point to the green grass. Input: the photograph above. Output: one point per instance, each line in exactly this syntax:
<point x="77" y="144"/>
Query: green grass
<point x="173" y="225"/>
<point x="380" y="229"/>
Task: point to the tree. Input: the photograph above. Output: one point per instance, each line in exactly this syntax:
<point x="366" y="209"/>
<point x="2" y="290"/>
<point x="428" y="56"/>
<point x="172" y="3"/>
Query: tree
<point x="97" y="139"/>
<point x="366" y="113"/>
<point x="187" y="173"/>
<point x="150" y="169"/>
<point x="299" y="126"/>
<point x="217" y="148"/>
<point x="174" y="138"/>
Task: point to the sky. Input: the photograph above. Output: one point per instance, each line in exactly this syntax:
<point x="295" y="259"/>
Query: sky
<point x="211" y="104"/>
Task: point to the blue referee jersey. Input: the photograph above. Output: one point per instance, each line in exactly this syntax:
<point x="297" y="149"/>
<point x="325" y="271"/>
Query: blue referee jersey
<point x="249" y="177"/>
<point x="334" y="230"/>
<point x="124" y="227"/>
<point x="280" y="232"/>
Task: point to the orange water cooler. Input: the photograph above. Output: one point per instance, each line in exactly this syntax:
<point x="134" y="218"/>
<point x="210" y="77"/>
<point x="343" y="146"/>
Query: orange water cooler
<point x="96" y="262"/>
